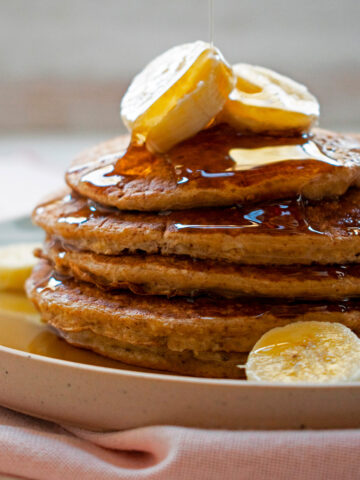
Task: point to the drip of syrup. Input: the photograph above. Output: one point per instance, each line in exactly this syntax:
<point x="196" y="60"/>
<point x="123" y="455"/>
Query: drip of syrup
<point x="211" y="22"/>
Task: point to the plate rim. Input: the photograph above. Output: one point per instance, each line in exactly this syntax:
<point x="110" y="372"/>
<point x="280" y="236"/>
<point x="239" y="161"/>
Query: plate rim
<point x="215" y="382"/>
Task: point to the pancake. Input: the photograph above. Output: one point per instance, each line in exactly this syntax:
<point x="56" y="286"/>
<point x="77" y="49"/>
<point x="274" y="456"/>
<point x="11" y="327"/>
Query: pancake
<point x="201" y="325"/>
<point x="281" y="232"/>
<point x="217" y="167"/>
<point x="172" y="275"/>
<point x="208" y="364"/>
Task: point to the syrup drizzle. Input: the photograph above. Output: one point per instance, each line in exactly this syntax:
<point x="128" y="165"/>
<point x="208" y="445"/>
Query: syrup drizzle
<point x="214" y="158"/>
<point x="211" y="22"/>
<point x="284" y="217"/>
<point x="271" y="218"/>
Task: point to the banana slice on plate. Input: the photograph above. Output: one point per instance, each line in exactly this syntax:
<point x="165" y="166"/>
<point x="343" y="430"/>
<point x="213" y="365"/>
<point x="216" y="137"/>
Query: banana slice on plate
<point x="264" y="101"/>
<point x="177" y="95"/>
<point x="16" y="263"/>
<point x="317" y="352"/>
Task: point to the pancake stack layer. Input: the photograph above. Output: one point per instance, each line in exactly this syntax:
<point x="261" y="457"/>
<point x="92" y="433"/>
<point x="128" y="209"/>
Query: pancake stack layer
<point x="180" y="262"/>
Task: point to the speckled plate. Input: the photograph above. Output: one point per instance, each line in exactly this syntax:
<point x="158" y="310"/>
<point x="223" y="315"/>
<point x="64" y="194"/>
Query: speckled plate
<point x="75" y="389"/>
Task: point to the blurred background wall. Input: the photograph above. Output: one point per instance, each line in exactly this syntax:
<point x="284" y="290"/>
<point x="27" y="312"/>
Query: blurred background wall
<point x="64" y="64"/>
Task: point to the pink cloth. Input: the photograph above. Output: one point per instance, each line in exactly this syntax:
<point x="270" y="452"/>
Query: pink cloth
<point x="40" y="450"/>
<point x="35" y="449"/>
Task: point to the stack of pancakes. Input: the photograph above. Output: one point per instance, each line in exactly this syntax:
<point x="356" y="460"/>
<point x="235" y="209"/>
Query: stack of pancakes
<point x="181" y="261"/>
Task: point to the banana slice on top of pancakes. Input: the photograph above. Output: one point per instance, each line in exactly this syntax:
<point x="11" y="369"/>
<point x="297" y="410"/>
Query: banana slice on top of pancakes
<point x="177" y="95"/>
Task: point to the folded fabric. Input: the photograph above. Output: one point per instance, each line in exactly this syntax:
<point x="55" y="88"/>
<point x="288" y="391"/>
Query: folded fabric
<point x="36" y="449"/>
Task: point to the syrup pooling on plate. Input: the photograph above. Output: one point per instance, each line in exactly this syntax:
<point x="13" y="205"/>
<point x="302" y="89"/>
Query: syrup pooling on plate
<point x="212" y="158"/>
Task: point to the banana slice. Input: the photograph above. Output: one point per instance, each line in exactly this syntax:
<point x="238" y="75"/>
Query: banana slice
<point x="264" y="101"/>
<point x="16" y="263"/>
<point x="177" y="95"/>
<point x="315" y="352"/>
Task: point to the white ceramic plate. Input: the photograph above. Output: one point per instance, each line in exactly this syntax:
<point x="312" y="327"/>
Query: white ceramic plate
<point x="118" y="397"/>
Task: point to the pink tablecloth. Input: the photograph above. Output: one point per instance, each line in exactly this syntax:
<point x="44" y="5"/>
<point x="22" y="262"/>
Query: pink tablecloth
<point x="35" y="449"/>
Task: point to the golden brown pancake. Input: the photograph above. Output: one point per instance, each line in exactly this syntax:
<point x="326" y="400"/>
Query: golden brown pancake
<point x="204" y="364"/>
<point x="279" y="232"/>
<point x="106" y="271"/>
<point x="202" y="326"/>
<point x="173" y="275"/>
<point x="217" y="167"/>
